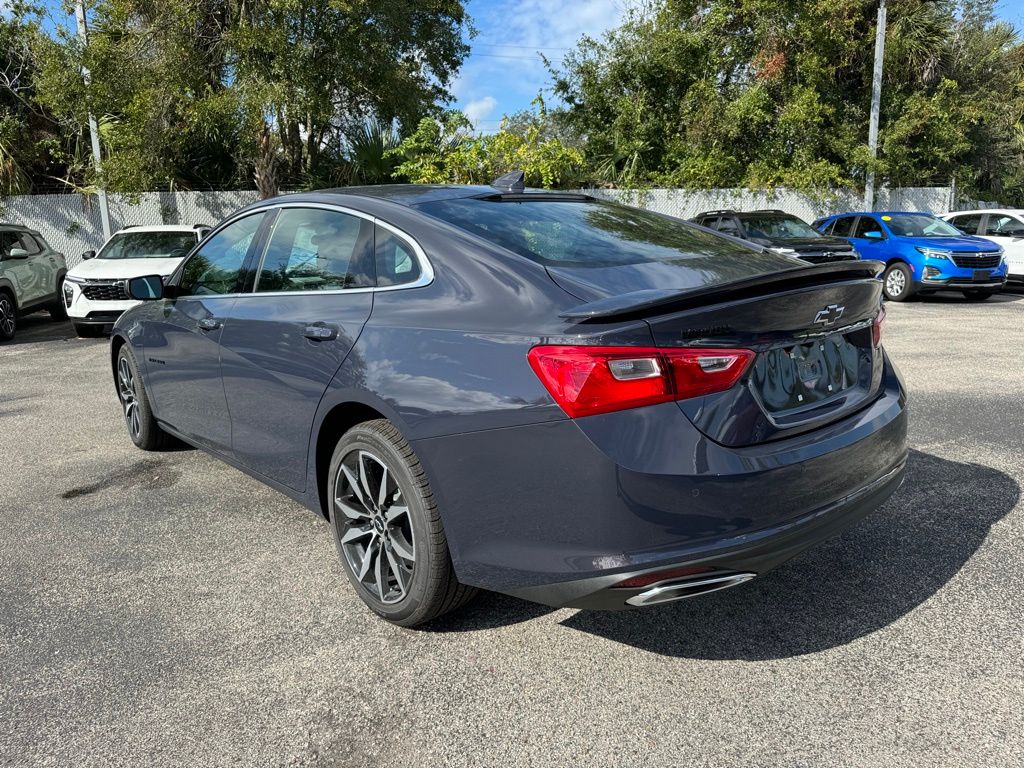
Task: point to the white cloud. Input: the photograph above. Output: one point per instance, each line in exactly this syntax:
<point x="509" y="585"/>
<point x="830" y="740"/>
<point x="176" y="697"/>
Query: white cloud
<point x="503" y="69"/>
<point x="480" y="109"/>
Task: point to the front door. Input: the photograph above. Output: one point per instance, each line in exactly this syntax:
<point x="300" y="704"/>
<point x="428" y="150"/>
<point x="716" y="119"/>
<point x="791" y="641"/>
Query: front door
<point x="1008" y="231"/>
<point x="182" y="343"/>
<point x="283" y="342"/>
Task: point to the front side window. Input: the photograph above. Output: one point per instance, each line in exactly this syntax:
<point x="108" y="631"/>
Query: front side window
<point x="314" y="249"/>
<point x="968" y="223"/>
<point x="214" y="269"/>
<point x="1003" y="226"/>
<point x="921" y="225"/>
<point x="148" y="245"/>
<point x="777" y="227"/>
<point x="29" y="244"/>
<point x="9" y="240"/>
<point x="868" y="228"/>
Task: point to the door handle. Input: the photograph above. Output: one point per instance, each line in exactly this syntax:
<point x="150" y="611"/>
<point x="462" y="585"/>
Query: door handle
<point x="209" y="324"/>
<point x="318" y="332"/>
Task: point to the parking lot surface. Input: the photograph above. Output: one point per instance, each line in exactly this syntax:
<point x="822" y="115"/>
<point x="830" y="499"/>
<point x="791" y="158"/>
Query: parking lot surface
<point x="165" y="609"/>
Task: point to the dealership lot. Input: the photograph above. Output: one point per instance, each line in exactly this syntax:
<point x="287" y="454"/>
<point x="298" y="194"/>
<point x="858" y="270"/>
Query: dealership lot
<point x="164" y="609"/>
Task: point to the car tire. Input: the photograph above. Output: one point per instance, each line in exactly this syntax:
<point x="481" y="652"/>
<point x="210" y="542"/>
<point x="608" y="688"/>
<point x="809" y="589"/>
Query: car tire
<point x="8" y="316"/>
<point x="395" y="554"/>
<point x="87" y="331"/>
<point x="138" y="414"/>
<point x="977" y="294"/>
<point x="898" y="283"/>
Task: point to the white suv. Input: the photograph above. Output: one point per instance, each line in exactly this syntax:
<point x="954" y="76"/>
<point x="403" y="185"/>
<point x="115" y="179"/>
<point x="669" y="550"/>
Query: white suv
<point x="94" y="291"/>
<point x="30" y="276"/>
<point x="1004" y="226"/>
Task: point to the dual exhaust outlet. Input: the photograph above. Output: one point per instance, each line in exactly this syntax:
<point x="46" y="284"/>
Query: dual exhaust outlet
<point x="680" y="589"/>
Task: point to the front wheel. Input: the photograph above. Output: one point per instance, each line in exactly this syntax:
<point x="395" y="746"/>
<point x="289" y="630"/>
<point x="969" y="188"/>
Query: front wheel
<point x="898" y="283"/>
<point x="138" y="415"/>
<point x="387" y="528"/>
<point x="977" y="294"/>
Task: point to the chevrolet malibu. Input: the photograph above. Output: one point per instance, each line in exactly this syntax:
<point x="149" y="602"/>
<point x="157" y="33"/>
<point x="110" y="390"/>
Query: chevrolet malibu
<point x="570" y="401"/>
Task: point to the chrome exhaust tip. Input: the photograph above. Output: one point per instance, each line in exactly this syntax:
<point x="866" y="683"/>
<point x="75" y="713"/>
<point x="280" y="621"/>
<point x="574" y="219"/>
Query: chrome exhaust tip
<point x="680" y="589"/>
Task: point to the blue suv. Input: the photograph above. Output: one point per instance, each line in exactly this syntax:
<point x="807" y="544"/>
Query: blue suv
<point x="922" y="253"/>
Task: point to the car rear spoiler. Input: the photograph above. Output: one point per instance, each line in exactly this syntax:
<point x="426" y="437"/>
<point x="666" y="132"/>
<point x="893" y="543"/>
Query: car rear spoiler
<point x="647" y="302"/>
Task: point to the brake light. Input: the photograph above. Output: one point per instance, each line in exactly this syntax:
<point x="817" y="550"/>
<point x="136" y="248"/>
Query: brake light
<point x="587" y="380"/>
<point x="878" y="327"/>
<point x="673" y="573"/>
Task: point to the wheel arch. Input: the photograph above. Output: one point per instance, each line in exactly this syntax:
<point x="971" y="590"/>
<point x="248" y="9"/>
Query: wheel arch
<point x="116" y="342"/>
<point x="8" y="287"/>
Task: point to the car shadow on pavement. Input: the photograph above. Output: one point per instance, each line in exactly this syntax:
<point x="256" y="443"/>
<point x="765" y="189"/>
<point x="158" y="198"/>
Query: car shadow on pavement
<point x="843" y="589"/>
<point x="39" y="326"/>
<point x="848" y="587"/>
<point x="1011" y="293"/>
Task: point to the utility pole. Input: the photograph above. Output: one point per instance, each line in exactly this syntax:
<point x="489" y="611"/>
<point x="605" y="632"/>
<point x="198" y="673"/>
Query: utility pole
<point x="101" y="193"/>
<point x="876" y="104"/>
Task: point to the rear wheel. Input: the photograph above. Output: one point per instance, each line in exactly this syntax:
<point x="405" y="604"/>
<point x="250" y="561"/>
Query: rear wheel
<point x="138" y="415"/>
<point x="387" y="528"/>
<point x="977" y="294"/>
<point x="898" y="282"/>
<point x="8" y="317"/>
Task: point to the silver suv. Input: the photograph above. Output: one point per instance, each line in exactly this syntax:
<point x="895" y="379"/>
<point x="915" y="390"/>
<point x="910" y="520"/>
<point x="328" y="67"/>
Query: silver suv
<point x="31" y="273"/>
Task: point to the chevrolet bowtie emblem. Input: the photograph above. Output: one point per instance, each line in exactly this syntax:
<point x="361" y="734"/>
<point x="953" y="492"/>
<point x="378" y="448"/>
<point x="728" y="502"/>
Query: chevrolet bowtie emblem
<point x="830" y="315"/>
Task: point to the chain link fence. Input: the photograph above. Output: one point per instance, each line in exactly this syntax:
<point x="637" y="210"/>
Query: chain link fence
<point x="71" y="222"/>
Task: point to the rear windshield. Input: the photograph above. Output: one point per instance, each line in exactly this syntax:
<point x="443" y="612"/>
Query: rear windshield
<point x="148" y="245"/>
<point x="559" y="233"/>
<point x="920" y="226"/>
<point x="776" y="227"/>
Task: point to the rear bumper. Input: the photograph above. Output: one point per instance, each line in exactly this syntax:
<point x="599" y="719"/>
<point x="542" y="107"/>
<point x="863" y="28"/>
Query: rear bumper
<point x="560" y="512"/>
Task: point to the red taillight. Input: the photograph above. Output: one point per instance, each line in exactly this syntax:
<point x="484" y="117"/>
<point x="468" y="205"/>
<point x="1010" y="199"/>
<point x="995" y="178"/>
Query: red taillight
<point x="878" y="327"/>
<point x="588" y="380"/>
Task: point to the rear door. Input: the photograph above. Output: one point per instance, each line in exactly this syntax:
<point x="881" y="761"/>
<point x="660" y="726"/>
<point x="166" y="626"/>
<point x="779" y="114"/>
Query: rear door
<point x="1007" y="231"/>
<point x="285" y="339"/>
<point x="182" y="342"/>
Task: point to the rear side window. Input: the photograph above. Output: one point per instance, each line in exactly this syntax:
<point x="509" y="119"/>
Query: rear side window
<point x="582" y="234"/>
<point x="314" y="249"/>
<point x="1002" y="225"/>
<point x="729" y="226"/>
<point x="968" y="223"/>
<point x="396" y="261"/>
<point x="867" y="227"/>
<point x="843" y="227"/>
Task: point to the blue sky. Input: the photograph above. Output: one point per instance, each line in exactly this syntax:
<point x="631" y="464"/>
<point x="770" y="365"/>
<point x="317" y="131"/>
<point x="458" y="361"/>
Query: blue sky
<point x="504" y="73"/>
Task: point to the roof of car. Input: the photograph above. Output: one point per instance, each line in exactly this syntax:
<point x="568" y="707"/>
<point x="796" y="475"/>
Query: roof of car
<point x="412" y="194"/>
<point x="161" y="228"/>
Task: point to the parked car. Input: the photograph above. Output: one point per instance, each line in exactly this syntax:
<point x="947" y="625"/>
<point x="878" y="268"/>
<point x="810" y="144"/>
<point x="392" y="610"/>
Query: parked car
<point x="563" y="399"/>
<point x="922" y="253"/>
<point x="779" y="231"/>
<point x="94" y="290"/>
<point x="30" y="276"/>
<point x="1004" y="227"/>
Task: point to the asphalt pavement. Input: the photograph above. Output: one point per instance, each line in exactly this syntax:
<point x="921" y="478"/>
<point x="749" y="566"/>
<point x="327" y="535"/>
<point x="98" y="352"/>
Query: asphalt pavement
<point x="166" y="610"/>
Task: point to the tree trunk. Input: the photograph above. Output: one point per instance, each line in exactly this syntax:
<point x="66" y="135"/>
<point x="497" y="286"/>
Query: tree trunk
<point x="265" y="170"/>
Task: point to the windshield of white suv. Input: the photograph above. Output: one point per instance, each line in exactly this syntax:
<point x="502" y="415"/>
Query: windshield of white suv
<point x="921" y="225"/>
<point x="148" y="245"/>
<point x="776" y="227"/>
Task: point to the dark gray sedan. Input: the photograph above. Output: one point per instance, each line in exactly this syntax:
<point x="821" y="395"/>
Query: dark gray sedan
<point x="567" y="400"/>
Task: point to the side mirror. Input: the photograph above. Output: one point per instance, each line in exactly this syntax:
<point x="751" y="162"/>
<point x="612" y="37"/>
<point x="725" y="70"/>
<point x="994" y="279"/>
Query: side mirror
<point x="17" y="253"/>
<point x="86" y="255"/>
<point x="148" y="288"/>
<point x="873" y="235"/>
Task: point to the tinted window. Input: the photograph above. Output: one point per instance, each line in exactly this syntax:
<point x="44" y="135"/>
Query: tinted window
<point x="593" y="234"/>
<point x="215" y="267"/>
<point x="148" y="245"/>
<point x="728" y="225"/>
<point x="711" y="222"/>
<point x="868" y="227"/>
<point x="920" y="225"/>
<point x="1002" y="225"/>
<point x="968" y="223"/>
<point x="843" y="227"/>
<point x="313" y="249"/>
<point x="9" y="240"/>
<point x="396" y="262"/>
<point x="776" y="226"/>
